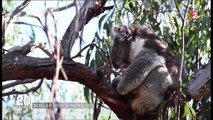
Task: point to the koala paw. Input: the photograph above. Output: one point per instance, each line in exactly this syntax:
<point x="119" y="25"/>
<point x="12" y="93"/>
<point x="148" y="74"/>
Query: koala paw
<point x="115" y="82"/>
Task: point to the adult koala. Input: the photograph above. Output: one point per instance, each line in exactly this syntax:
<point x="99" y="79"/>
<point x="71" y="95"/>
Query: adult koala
<point x="150" y="67"/>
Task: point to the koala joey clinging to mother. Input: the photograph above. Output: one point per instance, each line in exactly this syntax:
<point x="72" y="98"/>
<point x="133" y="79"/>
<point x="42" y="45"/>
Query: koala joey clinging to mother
<point x="150" y="67"/>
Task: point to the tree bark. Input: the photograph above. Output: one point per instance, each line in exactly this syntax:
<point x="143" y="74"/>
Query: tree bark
<point x="17" y="66"/>
<point x="199" y="79"/>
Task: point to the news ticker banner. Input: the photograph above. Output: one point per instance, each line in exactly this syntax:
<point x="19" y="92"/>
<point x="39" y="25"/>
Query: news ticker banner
<point x="24" y="101"/>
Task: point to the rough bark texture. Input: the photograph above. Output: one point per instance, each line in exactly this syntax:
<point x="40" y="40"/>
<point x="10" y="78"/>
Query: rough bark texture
<point x="17" y="66"/>
<point x="199" y="79"/>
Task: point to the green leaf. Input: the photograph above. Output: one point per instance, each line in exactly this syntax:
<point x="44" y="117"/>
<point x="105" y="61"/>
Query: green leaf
<point x="88" y="55"/>
<point x="87" y="93"/>
<point x="172" y="115"/>
<point x="193" y="113"/>
<point x="32" y="36"/>
<point x="101" y="20"/>
<point x="186" y="109"/>
<point x="144" y="17"/>
<point x="125" y="3"/>
<point x="97" y="58"/>
<point x="131" y="6"/>
<point x="93" y="63"/>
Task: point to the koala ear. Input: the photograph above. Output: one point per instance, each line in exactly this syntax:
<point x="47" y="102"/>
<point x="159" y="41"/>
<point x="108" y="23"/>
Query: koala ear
<point x="125" y="33"/>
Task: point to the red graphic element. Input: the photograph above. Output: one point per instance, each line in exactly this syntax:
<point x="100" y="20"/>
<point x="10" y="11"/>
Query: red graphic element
<point x="193" y="15"/>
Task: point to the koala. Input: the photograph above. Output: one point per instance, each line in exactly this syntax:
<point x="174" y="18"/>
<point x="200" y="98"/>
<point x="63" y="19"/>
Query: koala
<point x="150" y="67"/>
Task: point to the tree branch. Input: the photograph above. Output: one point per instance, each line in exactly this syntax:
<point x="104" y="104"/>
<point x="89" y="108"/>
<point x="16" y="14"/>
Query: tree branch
<point x="63" y="8"/>
<point x="199" y="79"/>
<point x="27" y="91"/>
<point x="90" y="9"/>
<point x="24" y="50"/>
<point x="182" y="43"/>
<point x="11" y="16"/>
<point x="17" y="66"/>
<point x="17" y="82"/>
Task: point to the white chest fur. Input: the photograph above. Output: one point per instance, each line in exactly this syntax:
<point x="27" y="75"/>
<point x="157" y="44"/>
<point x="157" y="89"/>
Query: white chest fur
<point x="136" y="47"/>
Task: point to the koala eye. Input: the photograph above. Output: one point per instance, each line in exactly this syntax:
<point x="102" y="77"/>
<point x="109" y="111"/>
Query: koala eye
<point x="122" y="28"/>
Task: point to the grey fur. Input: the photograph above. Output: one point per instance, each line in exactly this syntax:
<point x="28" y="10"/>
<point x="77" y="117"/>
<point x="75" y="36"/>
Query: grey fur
<point x="138" y="71"/>
<point x="147" y="75"/>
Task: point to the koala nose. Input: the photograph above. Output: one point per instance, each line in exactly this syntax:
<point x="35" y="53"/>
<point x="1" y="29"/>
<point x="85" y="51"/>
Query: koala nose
<point x="115" y="64"/>
<point x="123" y="65"/>
<point x="118" y="64"/>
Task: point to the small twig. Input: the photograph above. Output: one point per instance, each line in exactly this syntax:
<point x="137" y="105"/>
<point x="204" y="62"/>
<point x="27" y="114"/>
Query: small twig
<point x="24" y="23"/>
<point x="23" y="13"/>
<point x="42" y="47"/>
<point x="11" y="16"/>
<point x="79" y="53"/>
<point x="46" y="29"/>
<point x="101" y="51"/>
<point x="19" y="9"/>
<point x="62" y="69"/>
<point x="106" y="8"/>
<point x="58" y="65"/>
<point x="110" y="114"/>
<point x="17" y="82"/>
<point x="36" y="17"/>
<point x="89" y="45"/>
<point x="63" y="8"/>
<point x="33" y="89"/>
<point x="58" y="47"/>
<point x="178" y="10"/>
<point x="56" y="57"/>
<point x="103" y="106"/>
<point x="179" y="89"/>
<point x="59" y="60"/>
<point x="107" y="70"/>
<point x="95" y="110"/>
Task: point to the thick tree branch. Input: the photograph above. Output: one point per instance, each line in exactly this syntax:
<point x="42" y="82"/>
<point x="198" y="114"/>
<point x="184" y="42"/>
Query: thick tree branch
<point x="17" y="66"/>
<point x="199" y="79"/>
